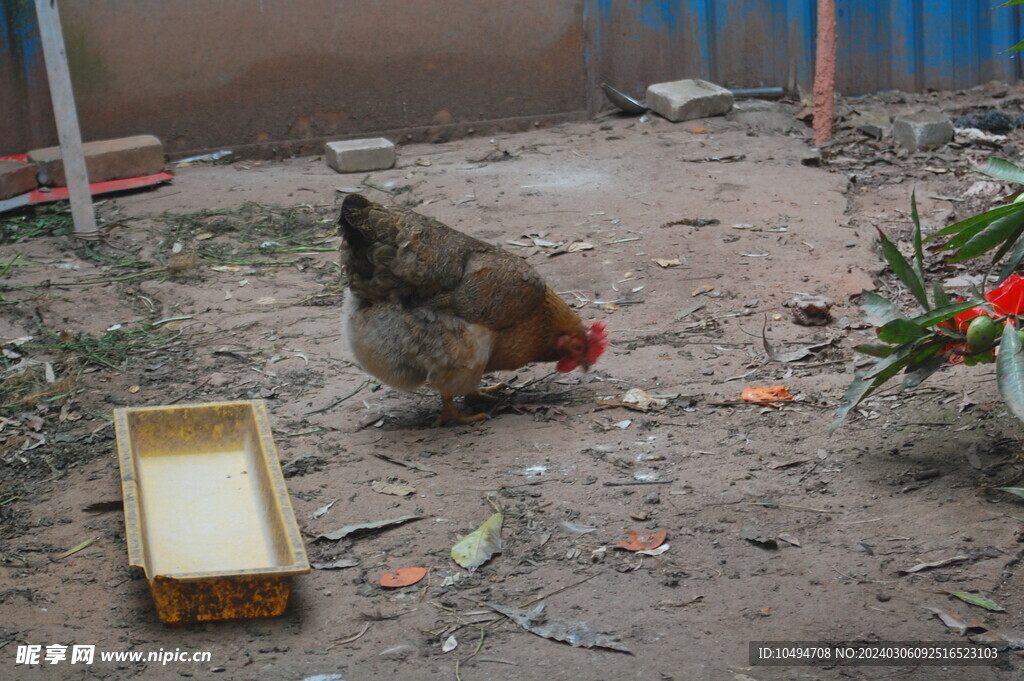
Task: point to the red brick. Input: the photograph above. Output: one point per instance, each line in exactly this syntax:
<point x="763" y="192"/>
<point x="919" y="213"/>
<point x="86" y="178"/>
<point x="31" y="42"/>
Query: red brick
<point x="16" y="178"/>
<point x="105" y="159"/>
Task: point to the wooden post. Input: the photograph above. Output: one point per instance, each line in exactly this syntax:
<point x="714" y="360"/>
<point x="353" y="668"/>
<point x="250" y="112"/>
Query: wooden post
<point x="825" y="71"/>
<point x="64" y="112"/>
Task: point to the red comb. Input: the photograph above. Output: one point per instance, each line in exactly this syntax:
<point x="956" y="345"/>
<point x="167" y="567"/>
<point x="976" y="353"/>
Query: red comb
<point x="597" y="341"/>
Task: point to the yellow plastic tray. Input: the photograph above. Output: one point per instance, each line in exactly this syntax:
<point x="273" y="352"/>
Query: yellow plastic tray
<point x="207" y="513"/>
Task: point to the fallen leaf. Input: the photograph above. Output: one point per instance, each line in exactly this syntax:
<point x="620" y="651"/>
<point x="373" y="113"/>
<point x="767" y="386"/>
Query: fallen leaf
<point x="203" y="236"/>
<point x="86" y="544"/>
<point x="577" y="634"/>
<point x="978" y="600"/>
<point x="670" y="262"/>
<point x="644" y="401"/>
<point x="765" y="394"/>
<point x="450" y="644"/>
<point x="756" y="536"/>
<point x="406" y="576"/>
<point x="654" y="552"/>
<point x="577" y="246"/>
<point x="392" y="488"/>
<point x="340" y="564"/>
<point x="957" y="622"/>
<point x="934" y="564"/>
<point x="477" y="547"/>
<point x="575" y="528"/>
<point x="643" y="542"/>
<point x="345" y="531"/>
<point x="789" y="539"/>
<point x="998" y="640"/>
<point x="323" y="509"/>
<point x="1019" y="491"/>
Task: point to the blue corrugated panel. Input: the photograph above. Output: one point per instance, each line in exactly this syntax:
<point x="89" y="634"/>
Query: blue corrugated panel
<point x="883" y="44"/>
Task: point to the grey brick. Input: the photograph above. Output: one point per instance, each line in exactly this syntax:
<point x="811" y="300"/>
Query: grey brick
<point x="924" y="130"/>
<point x="684" y="100"/>
<point x="354" y="156"/>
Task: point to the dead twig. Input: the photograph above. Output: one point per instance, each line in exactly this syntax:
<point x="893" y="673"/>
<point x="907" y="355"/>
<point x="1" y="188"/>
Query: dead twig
<point x="338" y="401"/>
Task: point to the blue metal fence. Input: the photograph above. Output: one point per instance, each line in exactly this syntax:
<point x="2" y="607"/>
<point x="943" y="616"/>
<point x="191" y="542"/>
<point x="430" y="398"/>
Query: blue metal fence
<point x="883" y="44"/>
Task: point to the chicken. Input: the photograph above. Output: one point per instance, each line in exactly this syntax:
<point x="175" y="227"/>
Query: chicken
<point x="426" y="303"/>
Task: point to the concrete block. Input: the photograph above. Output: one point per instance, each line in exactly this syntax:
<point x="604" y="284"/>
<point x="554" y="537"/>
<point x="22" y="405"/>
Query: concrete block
<point x="16" y="178"/>
<point x="104" y="160"/>
<point x="356" y="156"/>
<point x="924" y="130"/>
<point x="684" y="100"/>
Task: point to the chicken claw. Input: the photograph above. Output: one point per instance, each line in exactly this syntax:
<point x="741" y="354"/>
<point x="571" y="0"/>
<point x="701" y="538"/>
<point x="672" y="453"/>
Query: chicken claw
<point x="450" y="414"/>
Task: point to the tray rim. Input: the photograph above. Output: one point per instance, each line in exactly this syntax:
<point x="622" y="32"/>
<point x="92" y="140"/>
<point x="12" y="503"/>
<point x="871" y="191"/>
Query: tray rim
<point x="132" y="512"/>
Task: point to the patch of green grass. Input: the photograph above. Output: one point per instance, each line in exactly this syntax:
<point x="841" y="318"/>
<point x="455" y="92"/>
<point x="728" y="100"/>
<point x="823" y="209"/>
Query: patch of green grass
<point x="112" y="350"/>
<point x="33" y="221"/>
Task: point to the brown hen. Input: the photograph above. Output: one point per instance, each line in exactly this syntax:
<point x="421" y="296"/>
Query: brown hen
<point x="426" y="303"/>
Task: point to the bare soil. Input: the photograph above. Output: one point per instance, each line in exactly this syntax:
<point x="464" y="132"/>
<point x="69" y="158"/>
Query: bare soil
<point x="226" y="286"/>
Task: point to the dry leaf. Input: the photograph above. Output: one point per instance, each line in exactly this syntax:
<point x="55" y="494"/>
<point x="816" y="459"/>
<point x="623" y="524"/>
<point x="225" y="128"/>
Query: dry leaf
<point x="323" y="509"/>
<point x="666" y="263"/>
<point x="766" y="394"/>
<point x="643" y="542"/>
<point x="577" y="246"/>
<point x="654" y="552"/>
<point x="340" y="564"/>
<point x="789" y="539"/>
<point x="406" y="576"/>
<point x="345" y="531"/>
<point x="934" y="564"/>
<point x="450" y="644"/>
<point x="477" y="547"/>
<point x="957" y="622"/>
<point x="752" y="534"/>
<point x="578" y="634"/>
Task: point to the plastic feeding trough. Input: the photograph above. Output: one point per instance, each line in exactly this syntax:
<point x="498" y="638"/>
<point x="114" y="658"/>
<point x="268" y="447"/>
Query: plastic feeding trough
<point x="207" y="513"/>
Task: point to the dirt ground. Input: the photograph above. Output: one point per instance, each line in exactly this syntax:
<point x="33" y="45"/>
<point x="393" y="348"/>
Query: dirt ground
<point x="226" y="286"/>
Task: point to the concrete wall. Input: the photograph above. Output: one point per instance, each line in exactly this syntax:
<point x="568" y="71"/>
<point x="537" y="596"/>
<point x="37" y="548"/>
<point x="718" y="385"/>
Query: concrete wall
<point x="270" y="77"/>
<point x="264" y="74"/>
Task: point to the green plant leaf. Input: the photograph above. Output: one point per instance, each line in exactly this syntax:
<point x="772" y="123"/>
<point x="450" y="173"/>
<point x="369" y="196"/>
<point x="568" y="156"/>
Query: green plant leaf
<point x="994" y="234"/>
<point x="875" y="349"/>
<point x="1018" y="491"/>
<point x="1010" y="371"/>
<point x="978" y="600"/>
<point x="948" y="311"/>
<point x="925" y="361"/>
<point x="903" y="270"/>
<point x="901" y="331"/>
<point x="878" y="310"/>
<point x="962" y="231"/>
<point x="918" y="261"/>
<point x="940" y="296"/>
<point x="872" y="378"/>
<point x="477" y="547"/>
<point x="1010" y="3"/>
<point x="1001" y="169"/>
<point x="1010" y="266"/>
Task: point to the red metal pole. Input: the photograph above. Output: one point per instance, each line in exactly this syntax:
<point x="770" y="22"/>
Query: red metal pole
<point x="825" y="71"/>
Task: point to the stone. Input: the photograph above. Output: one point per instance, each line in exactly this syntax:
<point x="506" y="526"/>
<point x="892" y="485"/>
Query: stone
<point x="104" y="160"/>
<point x="684" y="100"/>
<point x="922" y="131"/>
<point x="16" y="178"/>
<point x="356" y="156"/>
